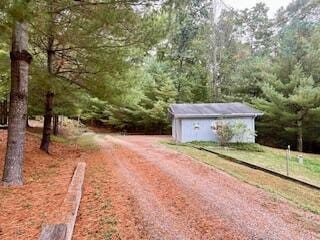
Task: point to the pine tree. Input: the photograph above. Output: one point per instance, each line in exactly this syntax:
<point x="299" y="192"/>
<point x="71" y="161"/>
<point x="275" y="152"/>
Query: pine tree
<point x="256" y="28"/>
<point x="291" y="103"/>
<point x="20" y="61"/>
<point x="159" y="93"/>
<point x="83" y="44"/>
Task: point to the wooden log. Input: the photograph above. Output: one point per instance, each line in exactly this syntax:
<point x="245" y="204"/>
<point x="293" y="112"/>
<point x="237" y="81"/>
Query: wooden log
<point x="71" y="204"/>
<point x="54" y="232"/>
<point x="73" y="198"/>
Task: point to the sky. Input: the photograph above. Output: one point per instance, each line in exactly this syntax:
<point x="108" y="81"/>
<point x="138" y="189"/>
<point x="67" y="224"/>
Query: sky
<point x="274" y="5"/>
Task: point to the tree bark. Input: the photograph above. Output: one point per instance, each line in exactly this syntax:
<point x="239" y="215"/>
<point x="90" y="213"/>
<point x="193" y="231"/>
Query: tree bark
<point x="20" y="61"/>
<point x="214" y="48"/>
<point x="4" y="112"/>
<point x="55" y="124"/>
<point x="2" y="117"/>
<point x="300" y="115"/>
<point x="1" y="114"/>
<point x="27" y="122"/>
<point x="300" y="136"/>
<point x="46" y="131"/>
<point x="179" y="81"/>
<point x="45" y="142"/>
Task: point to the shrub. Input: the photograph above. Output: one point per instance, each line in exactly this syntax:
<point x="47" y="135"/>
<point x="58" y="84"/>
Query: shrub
<point x="224" y="132"/>
<point x="241" y="131"/>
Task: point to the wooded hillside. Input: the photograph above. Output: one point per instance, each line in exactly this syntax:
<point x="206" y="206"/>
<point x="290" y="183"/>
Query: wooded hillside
<point x="120" y="64"/>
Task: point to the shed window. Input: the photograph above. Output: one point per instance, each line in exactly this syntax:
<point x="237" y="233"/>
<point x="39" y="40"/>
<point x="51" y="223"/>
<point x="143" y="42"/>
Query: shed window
<point x="196" y="126"/>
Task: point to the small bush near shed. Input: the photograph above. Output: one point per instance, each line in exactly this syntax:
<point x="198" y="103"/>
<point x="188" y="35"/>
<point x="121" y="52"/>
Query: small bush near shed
<point x="224" y="132"/>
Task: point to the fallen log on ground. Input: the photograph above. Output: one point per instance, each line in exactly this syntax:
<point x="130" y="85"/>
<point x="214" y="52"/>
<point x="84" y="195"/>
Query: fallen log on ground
<point x="54" y="232"/>
<point x="71" y="202"/>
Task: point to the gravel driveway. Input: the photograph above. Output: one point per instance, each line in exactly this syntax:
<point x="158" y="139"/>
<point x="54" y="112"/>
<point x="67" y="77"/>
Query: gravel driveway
<point x="162" y="194"/>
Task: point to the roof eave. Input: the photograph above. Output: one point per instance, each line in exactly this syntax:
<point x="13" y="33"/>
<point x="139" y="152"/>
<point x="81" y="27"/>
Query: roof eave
<point x="216" y="115"/>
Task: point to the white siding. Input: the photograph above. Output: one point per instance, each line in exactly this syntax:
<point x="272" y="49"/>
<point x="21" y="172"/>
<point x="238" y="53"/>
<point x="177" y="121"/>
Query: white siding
<point x="191" y="133"/>
<point x="174" y="130"/>
<point x="201" y="129"/>
<point x="179" y="129"/>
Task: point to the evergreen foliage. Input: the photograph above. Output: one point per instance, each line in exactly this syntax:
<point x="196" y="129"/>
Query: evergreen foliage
<point x="291" y="104"/>
<point x="121" y="63"/>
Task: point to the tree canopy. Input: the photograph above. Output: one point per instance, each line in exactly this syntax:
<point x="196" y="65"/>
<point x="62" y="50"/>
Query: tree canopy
<point x="121" y="63"/>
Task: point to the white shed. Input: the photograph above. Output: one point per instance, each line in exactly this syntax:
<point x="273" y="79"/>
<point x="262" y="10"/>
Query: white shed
<point x="195" y="122"/>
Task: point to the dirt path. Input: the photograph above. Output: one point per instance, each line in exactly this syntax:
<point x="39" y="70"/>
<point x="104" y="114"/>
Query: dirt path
<point x="160" y="194"/>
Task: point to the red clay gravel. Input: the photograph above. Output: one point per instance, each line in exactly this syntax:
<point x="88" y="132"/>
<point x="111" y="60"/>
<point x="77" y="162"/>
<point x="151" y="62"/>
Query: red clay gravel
<point x="160" y="194"/>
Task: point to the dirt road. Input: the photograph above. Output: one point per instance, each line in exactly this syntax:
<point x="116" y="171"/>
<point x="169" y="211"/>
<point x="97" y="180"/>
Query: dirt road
<point x="161" y="194"/>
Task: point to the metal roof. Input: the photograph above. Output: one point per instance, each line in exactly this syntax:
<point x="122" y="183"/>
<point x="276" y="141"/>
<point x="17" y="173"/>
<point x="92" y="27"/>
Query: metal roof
<point x="212" y="110"/>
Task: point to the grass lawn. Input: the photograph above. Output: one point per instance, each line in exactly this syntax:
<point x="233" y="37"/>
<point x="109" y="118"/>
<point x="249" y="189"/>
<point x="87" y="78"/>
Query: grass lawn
<point x="272" y="158"/>
<point x="85" y="140"/>
<point x="301" y="196"/>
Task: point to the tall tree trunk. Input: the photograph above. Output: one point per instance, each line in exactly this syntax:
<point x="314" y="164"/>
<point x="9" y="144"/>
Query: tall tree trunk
<point x="46" y="131"/>
<point x="300" y="136"/>
<point x="20" y="61"/>
<point x="2" y="117"/>
<point x="179" y="85"/>
<point x="300" y="115"/>
<point x="45" y="142"/>
<point x="27" y="122"/>
<point x="55" y="124"/>
<point x="214" y="48"/>
<point x="4" y="112"/>
<point x="215" y="76"/>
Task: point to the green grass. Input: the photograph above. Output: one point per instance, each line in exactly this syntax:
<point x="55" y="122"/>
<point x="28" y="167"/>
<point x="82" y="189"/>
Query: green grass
<point x="238" y="146"/>
<point x="59" y="139"/>
<point x="272" y="158"/>
<point x="301" y="196"/>
<point x="87" y="141"/>
<point x="53" y="138"/>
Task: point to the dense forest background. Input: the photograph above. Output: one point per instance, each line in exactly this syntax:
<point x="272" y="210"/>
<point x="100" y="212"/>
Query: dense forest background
<point x="120" y="65"/>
